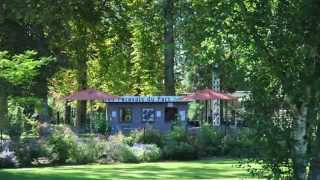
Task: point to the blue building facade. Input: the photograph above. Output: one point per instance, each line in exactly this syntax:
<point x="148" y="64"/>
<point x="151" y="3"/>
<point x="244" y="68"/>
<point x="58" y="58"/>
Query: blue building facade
<point x="128" y="113"/>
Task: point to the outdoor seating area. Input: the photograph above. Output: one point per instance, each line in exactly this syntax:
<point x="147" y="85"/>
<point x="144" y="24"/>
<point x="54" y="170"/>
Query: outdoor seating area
<point x="129" y="113"/>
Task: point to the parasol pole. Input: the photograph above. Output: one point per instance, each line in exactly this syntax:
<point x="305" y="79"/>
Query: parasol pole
<point x="91" y="116"/>
<point x="206" y="110"/>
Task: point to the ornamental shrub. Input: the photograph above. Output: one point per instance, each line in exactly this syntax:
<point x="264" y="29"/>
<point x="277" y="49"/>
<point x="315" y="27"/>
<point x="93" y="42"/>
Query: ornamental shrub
<point x="124" y="153"/>
<point x="16" y="123"/>
<point x="117" y="150"/>
<point x="146" y="152"/>
<point x="178" y="145"/>
<point x="27" y="151"/>
<point x="178" y="134"/>
<point x="100" y="123"/>
<point x="88" y="151"/>
<point x="61" y="144"/>
<point x="239" y="145"/>
<point x="147" y="136"/>
<point x="179" y="151"/>
<point x="209" y="141"/>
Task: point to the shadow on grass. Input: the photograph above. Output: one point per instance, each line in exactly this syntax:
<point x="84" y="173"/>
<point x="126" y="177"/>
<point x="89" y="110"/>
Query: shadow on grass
<point x="166" y="170"/>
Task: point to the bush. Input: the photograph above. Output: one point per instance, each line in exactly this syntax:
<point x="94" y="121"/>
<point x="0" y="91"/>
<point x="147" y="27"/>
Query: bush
<point x="32" y="127"/>
<point x="16" y="123"/>
<point x="179" y="151"/>
<point x="209" y="141"/>
<point x="61" y="144"/>
<point x="146" y="152"/>
<point x="88" y="152"/>
<point x="178" y="134"/>
<point x="125" y="154"/>
<point x="100" y="123"/>
<point x="8" y="159"/>
<point x="240" y="145"/>
<point x="147" y="136"/>
<point x="28" y="151"/>
<point x="177" y="145"/>
<point x="116" y="148"/>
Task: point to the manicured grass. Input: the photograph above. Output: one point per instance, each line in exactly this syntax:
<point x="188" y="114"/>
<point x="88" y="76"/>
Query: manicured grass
<point x="204" y="169"/>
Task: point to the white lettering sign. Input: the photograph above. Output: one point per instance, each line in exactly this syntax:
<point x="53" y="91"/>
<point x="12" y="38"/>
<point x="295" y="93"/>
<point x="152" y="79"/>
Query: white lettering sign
<point x="142" y="99"/>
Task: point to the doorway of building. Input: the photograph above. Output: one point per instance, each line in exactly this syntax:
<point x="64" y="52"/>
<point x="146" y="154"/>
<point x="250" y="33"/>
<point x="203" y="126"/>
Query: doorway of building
<point x="171" y="114"/>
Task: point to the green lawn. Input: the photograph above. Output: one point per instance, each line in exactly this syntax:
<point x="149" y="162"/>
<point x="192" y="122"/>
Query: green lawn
<point x="204" y="169"/>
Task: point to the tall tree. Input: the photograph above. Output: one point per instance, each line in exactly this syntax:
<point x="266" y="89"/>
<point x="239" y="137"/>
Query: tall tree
<point x="132" y="49"/>
<point x="276" y="45"/>
<point x="169" y="46"/>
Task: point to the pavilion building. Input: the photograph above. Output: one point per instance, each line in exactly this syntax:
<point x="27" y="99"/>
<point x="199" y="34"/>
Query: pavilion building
<point x="128" y="113"/>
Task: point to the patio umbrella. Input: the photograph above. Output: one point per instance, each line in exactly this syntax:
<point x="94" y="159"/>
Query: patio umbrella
<point x="89" y="95"/>
<point x="208" y="94"/>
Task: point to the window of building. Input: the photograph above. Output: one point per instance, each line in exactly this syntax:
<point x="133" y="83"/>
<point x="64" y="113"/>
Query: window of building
<point x="125" y="115"/>
<point x="171" y="114"/>
<point x="148" y="115"/>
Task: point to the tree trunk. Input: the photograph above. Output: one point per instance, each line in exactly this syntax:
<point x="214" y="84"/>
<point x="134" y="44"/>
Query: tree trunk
<point x="300" y="143"/>
<point x="314" y="143"/>
<point x="4" y="122"/>
<point x="81" y="114"/>
<point x="82" y="84"/>
<point x="67" y="113"/>
<point x="169" y="47"/>
<point x="44" y="111"/>
<point x="314" y="173"/>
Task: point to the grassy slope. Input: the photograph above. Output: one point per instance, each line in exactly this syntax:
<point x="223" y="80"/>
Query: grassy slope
<point x="206" y="169"/>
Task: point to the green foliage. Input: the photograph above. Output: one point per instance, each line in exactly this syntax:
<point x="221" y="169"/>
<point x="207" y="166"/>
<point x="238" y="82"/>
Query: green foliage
<point x="19" y="69"/>
<point x="147" y="136"/>
<point x="88" y="151"/>
<point x="240" y="145"/>
<point x="114" y="143"/>
<point x="118" y="150"/>
<point x="125" y="154"/>
<point x="63" y="82"/>
<point x="178" y="133"/>
<point x="177" y="145"/>
<point x="273" y="152"/>
<point x="175" y="150"/>
<point x="124" y="149"/>
<point x="209" y="141"/>
<point x="16" y="123"/>
<point x="100" y="123"/>
<point x="146" y="49"/>
<point x="146" y="152"/>
<point x="61" y="145"/>
<point x="31" y="127"/>
<point x="29" y="150"/>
